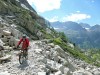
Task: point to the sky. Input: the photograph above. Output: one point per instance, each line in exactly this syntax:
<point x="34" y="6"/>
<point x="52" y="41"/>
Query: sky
<point x="85" y="11"/>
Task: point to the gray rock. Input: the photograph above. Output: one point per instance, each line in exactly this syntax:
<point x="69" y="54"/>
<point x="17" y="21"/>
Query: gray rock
<point x="41" y="73"/>
<point x="11" y="41"/>
<point x="58" y="73"/>
<point x="6" y="33"/>
<point x="87" y="73"/>
<point x="96" y="72"/>
<point x="4" y="73"/>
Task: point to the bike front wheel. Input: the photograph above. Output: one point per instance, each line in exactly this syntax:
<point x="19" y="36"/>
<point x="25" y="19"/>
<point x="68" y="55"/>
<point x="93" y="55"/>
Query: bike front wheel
<point x="21" y="58"/>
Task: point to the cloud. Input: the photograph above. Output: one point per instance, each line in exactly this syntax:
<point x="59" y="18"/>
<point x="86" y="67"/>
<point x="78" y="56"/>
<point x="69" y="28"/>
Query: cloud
<point x="45" y="5"/>
<point x="76" y="17"/>
<point x="55" y="18"/>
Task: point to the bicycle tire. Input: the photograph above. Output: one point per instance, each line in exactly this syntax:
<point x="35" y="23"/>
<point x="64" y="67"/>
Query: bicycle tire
<point x="21" y="59"/>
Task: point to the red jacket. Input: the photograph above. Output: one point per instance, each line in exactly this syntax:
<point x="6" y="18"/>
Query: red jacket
<point x="25" y="43"/>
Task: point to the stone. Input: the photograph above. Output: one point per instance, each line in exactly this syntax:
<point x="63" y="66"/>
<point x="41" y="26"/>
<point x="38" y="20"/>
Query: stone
<point x="60" y="51"/>
<point x="42" y="59"/>
<point x="1" y="42"/>
<point x="96" y="72"/>
<point x="71" y="45"/>
<point x="0" y="35"/>
<point x="6" y="32"/>
<point x="1" y="47"/>
<point x="41" y="73"/>
<point x="58" y="73"/>
<point x="4" y="73"/>
<point x="7" y="48"/>
<point x="6" y="57"/>
<point x="66" y="71"/>
<point x="16" y="42"/>
<point x="39" y="34"/>
<point x="4" y="39"/>
<point x="87" y="73"/>
<point x="38" y="50"/>
<point x="11" y="41"/>
<point x="62" y="68"/>
<point x="51" y="44"/>
<point x="1" y="53"/>
<point x="48" y="30"/>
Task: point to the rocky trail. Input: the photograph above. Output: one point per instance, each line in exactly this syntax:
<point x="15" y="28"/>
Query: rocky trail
<point x="47" y="59"/>
<point x="29" y="67"/>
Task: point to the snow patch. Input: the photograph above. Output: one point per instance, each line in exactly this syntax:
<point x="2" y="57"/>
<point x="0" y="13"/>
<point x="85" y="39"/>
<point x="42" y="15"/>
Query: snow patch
<point x="24" y="6"/>
<point x="87" y="29"/>
<point x="17" y="0"/>
<point x="56" y="28"/>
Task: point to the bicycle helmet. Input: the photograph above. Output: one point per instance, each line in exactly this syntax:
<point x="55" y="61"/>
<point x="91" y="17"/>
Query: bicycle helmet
<point x="24" y="36"/>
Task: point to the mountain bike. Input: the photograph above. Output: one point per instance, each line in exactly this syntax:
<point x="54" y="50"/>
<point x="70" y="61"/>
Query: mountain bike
<point x="22" y="56"/>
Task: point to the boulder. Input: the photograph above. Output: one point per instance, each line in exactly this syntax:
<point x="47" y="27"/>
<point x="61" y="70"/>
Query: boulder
<point x="38" y="50"/>
<point x="1" y="42"/>
<point x="6" y="57"/>
<point x="51" y="45"/>
<point x="4" y="39"/>
<point x="78" y="73"/>
<point x="48" y="30"/>
<point x="48" y="55"/>
<point x="71" y="45"/>
<point x="1" y="30"/>
<point x="8" y="48"/>
<point x="17" y="34"/>
<point x="42" y="59"/>
<point x="16" y="42"/>
<point x="6" y="33"/>
<point x="61" y="68"/>
<point x="11" y="41"/>
<point x="52" y="66"/>
<point x="88" y="73"/>
<point x="41" y="73"/>
<point x="39" y="34"/>
<point x="60" y="51"/>
<point x="66" y="71"/>
<point x="1" y="53"/>
<point x="4" y="73"/>
<point x="58" y="73"/>
<point x="96" y="72"/>
<point x="1" y="34"/>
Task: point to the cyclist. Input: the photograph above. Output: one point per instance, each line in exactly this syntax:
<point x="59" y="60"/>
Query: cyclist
<point x="25" y="44"/>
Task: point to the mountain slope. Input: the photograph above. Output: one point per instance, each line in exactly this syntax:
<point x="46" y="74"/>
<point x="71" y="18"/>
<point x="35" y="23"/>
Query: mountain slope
<point x="84" y="35"/>
<point x="23" y="15"/>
